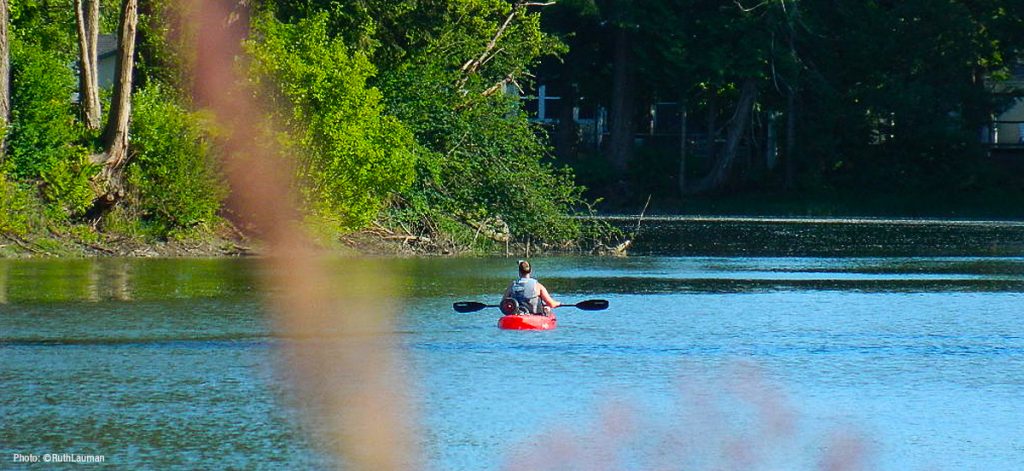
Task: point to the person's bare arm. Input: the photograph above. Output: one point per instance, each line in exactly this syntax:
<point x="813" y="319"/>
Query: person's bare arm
<point x="544" y="296"/>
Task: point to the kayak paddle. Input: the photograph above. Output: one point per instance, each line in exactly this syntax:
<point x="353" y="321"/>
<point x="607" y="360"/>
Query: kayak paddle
<point x="470" y="306"/>
<point x="588" y="305"/>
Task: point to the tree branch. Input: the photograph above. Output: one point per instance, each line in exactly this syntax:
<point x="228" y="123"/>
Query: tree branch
<point x="497" y="86"/>
<point x="472" y="66"/>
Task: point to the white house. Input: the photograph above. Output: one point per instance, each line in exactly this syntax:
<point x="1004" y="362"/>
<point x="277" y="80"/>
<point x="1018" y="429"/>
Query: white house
<point x="1007" y="130"/>
<point x="106" y="56"/>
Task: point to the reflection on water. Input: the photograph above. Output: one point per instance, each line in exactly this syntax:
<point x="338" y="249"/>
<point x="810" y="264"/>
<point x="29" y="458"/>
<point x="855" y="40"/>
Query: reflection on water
<point x="161" y="363"/>
<point x="123" y="279"/>
<point x="135" y="280"/>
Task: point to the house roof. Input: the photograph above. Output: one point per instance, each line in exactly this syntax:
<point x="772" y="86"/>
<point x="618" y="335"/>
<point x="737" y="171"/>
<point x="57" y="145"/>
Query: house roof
<point x="106" y="46"/>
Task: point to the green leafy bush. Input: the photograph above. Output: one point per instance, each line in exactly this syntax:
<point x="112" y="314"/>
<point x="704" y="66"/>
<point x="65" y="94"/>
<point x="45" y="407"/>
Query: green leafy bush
<point x="172" y="174"/>
<point x="43" y="131"/>
<point x="67" y="185"/>
<point x="45" y="23"/>
<point x="15" y="205"/>
<point x="352" y="156"/>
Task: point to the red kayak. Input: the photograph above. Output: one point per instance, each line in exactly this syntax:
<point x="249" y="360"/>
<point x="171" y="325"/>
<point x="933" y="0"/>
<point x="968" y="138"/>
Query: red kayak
<point x="527" y="322"/>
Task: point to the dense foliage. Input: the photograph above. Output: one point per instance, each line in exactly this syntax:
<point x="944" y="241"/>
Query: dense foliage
<point x="352" y="155"/>
<point x="484" y="163"/>
<point x="44" y="138"/>
<point x="442" y="68"/>
<point x="173" y="170"/>
<point x="395" y="112"/>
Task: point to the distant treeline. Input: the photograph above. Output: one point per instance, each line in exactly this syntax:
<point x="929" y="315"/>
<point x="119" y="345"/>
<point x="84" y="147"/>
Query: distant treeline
<point x="705" y="97"/>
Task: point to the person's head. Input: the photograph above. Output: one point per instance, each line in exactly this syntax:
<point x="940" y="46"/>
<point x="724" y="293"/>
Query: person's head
<point x="524" y="268"/>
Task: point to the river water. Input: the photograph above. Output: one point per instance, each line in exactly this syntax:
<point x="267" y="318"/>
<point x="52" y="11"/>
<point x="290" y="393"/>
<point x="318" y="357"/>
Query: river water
<point x="746" y="353"/>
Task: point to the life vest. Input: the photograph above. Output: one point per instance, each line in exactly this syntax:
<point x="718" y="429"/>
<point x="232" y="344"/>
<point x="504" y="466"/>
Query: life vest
<point x="524" y="291"/>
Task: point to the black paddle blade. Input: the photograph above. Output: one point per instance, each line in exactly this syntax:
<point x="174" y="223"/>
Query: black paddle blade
<point x="593" y="304"/>
<point x="468" y="306"/>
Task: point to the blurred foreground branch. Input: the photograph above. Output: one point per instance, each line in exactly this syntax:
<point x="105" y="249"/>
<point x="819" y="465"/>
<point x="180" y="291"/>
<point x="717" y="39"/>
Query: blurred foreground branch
<point x="339" y="348"/>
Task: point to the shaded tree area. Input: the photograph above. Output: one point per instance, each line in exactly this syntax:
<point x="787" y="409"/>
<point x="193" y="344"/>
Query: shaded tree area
<point x="782" y="96"/>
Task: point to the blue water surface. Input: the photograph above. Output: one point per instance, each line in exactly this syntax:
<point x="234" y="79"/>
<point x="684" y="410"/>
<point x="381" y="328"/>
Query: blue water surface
<point x="700" y="363"/>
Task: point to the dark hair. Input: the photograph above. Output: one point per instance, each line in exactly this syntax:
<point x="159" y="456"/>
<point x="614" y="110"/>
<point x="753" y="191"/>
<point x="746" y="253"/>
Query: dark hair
<point x="524" y="267"/>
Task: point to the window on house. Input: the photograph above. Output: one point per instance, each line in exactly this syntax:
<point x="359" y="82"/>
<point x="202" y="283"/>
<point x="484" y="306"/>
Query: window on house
<point x="543" y="103"/>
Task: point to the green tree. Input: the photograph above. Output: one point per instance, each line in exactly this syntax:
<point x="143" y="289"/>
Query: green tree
<point x="442" y="70"/>
<point x="353" y="156"/>
<point x="904" y="85"/>
<point x="864" y="94"/>
<point x="485" y="163"/>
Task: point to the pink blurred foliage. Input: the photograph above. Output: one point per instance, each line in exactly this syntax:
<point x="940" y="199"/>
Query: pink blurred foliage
<point x="338" y="351"/>
<point x="732" y="418"/>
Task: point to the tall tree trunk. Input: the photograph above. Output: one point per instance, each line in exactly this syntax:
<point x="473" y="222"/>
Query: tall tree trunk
<point x="791" y="102"/>
<point x="754" y="163"/>
<point x="87" y="14"/>
<point x="5" y="77"/>
<point x="722" y="168"/>
<point x="683" y="112"/>
<point x="115" y="136"/>
<point x="92" y="22"/>
<point x="712" y="124"/>
<point x="790" y="160"/>
<point x="620" y="145"/>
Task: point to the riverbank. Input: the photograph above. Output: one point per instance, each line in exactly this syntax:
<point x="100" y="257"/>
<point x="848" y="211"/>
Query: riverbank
<point x="228" y="241"/>
<point x="83" y="241"/>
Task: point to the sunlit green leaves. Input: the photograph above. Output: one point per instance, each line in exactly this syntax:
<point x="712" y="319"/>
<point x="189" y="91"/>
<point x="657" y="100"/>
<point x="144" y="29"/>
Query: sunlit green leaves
<point x="353" y="156"/>
<point x="43" y="136"/>
<point x="173" y="172"/>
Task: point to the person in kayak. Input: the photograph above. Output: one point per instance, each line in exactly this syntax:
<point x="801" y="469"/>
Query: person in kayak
<point x="531" y="296"/>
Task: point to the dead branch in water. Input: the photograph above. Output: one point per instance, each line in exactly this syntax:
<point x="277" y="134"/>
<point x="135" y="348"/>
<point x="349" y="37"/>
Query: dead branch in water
<point x="640" y="219"/>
